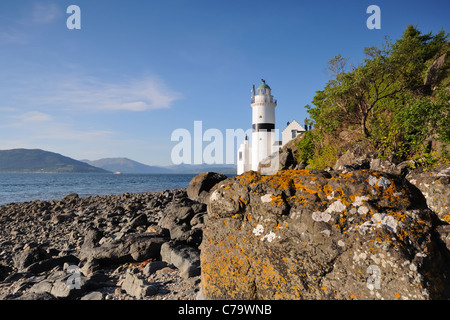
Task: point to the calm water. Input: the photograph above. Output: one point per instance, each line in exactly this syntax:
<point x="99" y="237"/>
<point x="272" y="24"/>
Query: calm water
<point x="21" y="187"/>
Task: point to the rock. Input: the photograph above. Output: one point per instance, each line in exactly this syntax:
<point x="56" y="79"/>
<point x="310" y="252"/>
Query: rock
<point x="140" y="220"/>
<point x="49" y="264"/>
<point x="435" y="187"/>
<point x="26" y="258"/>
<point x="91" y="239"/>
<point x="321" y="235"/>
<point x="94" y="295"/>
<point x="69" y="287"/>
<point x="44" y="286"/>
<point x="71" y="199"/>
<point x="185" y="258"/>
<point x="289" y="162"/>
<point x="137" y="287"/>
<point x="201" y="184"/>
<point x="132" y="247"/>
<point x="152" y="267"/>
<point x="36" y="296"/>
<point x="59" y="218"/>
<point x="434" y="70"/>
<point x="357" y="157"/>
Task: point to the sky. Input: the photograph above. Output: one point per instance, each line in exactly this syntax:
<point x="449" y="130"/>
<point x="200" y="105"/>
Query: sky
<point x="137" y="70"/>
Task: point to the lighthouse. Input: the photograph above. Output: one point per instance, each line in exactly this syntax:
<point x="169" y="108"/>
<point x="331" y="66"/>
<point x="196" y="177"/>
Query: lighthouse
<point x="263" y="130"/>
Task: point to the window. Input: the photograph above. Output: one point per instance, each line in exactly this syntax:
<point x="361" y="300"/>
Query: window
<point x="294" y="133"/>
<point x="240" y="156"/>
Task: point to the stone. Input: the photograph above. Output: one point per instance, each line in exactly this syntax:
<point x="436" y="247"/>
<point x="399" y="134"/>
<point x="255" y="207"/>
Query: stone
<point x="357" y="157"/>
<point x="68" y="287"/>
<point x="137" y="287"/>
<point x="95" y="295"/>
<point x="435" y="187"/>
<point x="152" y="267"/>
<point x="25" y="258"/>
<point x="185" y="258"/>
<point x="201" y="184"/>
<point x="49" y="264"/>
<point x="307" y="234"/>
<point x="132" y="247"/>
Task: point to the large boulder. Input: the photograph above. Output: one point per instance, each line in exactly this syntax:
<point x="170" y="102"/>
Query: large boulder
<point x="320" y="235"/>
<point x="200" y="185"/>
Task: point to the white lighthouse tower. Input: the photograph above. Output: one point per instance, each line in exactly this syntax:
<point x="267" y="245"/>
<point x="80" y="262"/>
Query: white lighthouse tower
<point x="263" y="122"/>
<point x="263" y="134"/>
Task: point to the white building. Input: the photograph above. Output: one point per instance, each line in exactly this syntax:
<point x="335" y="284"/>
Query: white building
<point x="292" y="130"/>
<point x="263" y="135"/>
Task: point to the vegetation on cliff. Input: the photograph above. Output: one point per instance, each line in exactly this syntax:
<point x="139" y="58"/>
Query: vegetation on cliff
<point x="397" y="99"/>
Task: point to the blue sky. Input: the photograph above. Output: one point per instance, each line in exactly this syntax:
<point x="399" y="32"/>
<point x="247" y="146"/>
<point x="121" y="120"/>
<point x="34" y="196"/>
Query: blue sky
<point x="139" y="69"/>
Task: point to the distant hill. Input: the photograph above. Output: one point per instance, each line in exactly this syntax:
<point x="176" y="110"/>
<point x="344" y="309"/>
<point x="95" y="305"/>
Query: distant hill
<point x="36" y="160"/>
<point x="125" y="165"/>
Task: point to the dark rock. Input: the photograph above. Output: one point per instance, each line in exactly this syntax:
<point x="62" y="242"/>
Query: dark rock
<point x="49" y="264"/>
<point x="71" y="198"/>
<point x="152" y="267"/>
<point x="132" y="247"/>
<point x="91" y="239"/>
<point x="28" y="257"/>
<point x="4" y="271"/>
<point x="140" y="220"/>
<point x="200" y="185"/>
<point x="36" y="296"/>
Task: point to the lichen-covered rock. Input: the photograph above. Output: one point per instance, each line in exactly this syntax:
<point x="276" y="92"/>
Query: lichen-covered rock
<point x="304" y="234"/>
<point x="435" y="187"/>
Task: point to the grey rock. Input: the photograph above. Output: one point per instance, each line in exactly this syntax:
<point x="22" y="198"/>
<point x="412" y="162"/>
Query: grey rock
<point x="185" y="258"/>
<point x="137" y="287"/>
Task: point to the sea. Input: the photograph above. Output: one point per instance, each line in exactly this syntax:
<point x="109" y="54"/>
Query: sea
<point x="25" y="187"/>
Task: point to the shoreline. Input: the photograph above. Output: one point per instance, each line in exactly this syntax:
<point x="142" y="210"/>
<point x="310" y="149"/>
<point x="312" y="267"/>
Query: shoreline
<point x="36" y="236"/>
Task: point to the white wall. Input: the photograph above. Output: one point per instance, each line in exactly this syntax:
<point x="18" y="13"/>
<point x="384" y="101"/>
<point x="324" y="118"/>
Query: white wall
<point x="286" y="134"/>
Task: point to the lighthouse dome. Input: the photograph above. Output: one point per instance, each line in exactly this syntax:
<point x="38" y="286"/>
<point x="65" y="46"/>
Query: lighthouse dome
<point x="263" y="85"/>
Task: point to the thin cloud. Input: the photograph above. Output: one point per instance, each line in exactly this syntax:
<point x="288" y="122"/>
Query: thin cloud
<point x="33" y="116"/>
<point x="91" y="94"/>
<point x="45" y="13"/>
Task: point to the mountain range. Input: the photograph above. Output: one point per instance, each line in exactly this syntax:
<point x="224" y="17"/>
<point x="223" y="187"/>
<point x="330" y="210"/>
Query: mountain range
<point x="36" y="160"/>
<point x="125" y="165"/>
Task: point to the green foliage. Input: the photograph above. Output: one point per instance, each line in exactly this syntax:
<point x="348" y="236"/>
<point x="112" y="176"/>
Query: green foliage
<point x="386" y="100"/>
<point x="325" y="157"/>
<point x="306" y="147"/>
